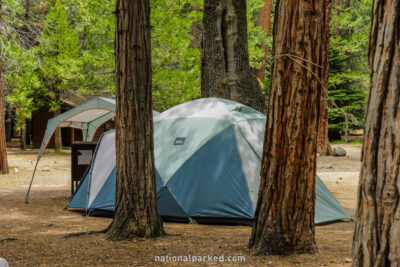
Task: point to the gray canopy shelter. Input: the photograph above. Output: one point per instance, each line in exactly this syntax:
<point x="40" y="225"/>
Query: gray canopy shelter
<point x="88" y="117"/>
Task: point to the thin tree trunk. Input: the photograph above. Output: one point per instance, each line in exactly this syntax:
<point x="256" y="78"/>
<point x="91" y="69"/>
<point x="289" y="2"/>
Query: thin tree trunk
<point x="23" y="138"/>
<point x="28" y="131"/>
<point x="376" y="239"/>
<point x="264" y="21"/>
<point x="8" y="124"/>
<point x="3" y="143"/>
<point x="57" y="134"/>
<point x="136" y="200"/>
<point x="284" y="217"/>
<point x="323" y="139"/>
<point x="226" y="70"/>
<point x="346" y="129"/>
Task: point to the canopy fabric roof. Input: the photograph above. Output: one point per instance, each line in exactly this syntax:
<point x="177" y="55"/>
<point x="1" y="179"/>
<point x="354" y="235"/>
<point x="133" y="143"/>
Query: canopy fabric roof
<point x="87" y="117"/>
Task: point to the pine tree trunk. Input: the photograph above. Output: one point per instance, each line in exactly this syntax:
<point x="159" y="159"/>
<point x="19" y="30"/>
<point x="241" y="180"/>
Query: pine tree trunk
<point x="264" y="21"/>
<point x="323" y="139"/>
<point x="28" y="132"/>
<point x="226" y="70"/>
<point x="23" y="138"/>
<point x="57" y="134"/>
<point x="3" y="143"/>
<point x="8" y="124"/>
<point x="136" y="200"/>
<point x="284" y="218"/>
<point x="346" y="129"/>
<point x="376" y="239"/>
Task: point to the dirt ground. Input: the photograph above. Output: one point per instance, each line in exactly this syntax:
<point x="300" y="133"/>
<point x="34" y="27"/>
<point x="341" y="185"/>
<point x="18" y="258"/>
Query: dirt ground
<point x="34" y="234"/>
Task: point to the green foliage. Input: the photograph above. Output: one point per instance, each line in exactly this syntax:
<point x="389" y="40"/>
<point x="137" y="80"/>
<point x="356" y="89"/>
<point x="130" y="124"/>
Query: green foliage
<point x="24" y="80"/>
<point x="256" y="35"/>
<point x="59" y="46"/>
<point x="355" y="142"/>
<point x="176" y="58"/>
<point x="75" y="51"/>
<point x="20" y="79"/>
<point x="349" y="73"/>
<point x="176" y="63"/>
<point x="72" y="50"/>
<point x="59" y="54"/>
<point x="94" y="23"/>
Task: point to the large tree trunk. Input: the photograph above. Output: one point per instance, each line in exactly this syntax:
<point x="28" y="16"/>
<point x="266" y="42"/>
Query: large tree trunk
<point x="323" y="139"/>
<point x="264" y="21"/>
<point x="57" y="134"/>
<point x="136" y="200"/>
<point x="376" y="239"/>
<point x="3" y="143"/>
<point x="284" y="218"/>
<point x="225" y="69"/>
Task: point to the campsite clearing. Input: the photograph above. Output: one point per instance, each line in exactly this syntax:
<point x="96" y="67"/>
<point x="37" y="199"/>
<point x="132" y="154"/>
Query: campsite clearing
<point x="33" y="234"/>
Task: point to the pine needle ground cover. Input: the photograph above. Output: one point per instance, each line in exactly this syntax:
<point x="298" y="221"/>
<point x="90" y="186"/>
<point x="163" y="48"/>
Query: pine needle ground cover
<point x="34" y="234"/>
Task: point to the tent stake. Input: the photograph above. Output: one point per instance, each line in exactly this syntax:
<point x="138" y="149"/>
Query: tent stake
<point x="30" y="185"/>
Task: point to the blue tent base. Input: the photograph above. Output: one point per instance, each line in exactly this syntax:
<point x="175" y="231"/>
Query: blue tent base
<point x="335" y="221"/>
<point x="232" y="221"/>
<point x="199" y="220"/>
<point x="210" y="220"/>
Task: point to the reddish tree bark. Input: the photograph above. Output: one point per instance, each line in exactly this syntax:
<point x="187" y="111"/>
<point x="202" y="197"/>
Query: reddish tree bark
<point x="376" y="239"/>
<point x="264" y="21"/>
<point x="136" y="200"/>
<point x="284" y="217"/>
<point x="3" y="143"/>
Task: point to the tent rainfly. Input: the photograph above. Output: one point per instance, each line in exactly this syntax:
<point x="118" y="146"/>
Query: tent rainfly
<point x="87" y="117"/>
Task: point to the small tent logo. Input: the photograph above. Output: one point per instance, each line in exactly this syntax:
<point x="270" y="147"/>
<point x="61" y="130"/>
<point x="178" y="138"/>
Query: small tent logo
<point x="179" y="141"/>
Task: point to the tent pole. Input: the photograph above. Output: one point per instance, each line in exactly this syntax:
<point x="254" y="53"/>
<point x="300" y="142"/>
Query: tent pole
<point x="30" y="185"/>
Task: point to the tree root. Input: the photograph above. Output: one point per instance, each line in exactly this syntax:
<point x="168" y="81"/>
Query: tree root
<point x="86" y="233"/>
<point x="8" y="239"/>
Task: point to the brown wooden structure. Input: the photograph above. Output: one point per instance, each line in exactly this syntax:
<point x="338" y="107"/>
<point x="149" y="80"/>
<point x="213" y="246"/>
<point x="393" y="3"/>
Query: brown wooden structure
<point x="81" y="155"/>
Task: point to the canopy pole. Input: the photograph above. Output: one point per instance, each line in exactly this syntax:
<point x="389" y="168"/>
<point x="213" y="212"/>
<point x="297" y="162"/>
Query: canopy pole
<point x="87" y="131"/>
<point x="30" y="185"/>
